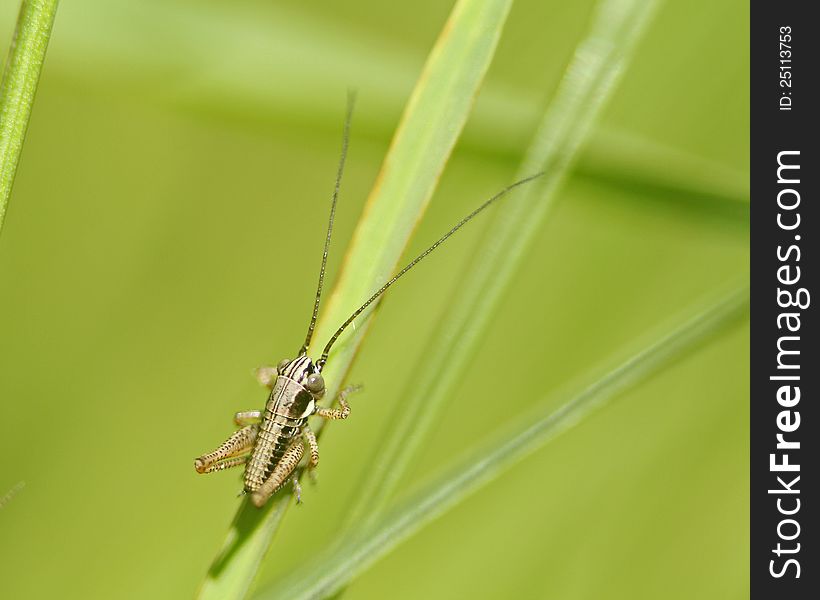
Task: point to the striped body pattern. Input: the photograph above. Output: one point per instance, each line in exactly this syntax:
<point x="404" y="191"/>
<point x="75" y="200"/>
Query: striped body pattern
<point x="289" y="405"/>
<point x="271" y="443"/>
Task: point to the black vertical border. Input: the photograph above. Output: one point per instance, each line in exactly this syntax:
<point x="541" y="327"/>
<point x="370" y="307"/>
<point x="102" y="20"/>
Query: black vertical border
<point x="774" y="130"/>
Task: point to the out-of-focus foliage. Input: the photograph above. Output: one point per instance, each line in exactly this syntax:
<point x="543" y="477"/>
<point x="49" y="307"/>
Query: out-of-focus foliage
<point x="181" y="153"/>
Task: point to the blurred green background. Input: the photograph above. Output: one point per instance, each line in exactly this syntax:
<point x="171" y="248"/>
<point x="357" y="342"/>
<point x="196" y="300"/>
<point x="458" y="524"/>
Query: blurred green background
<point x="180" y="151"/>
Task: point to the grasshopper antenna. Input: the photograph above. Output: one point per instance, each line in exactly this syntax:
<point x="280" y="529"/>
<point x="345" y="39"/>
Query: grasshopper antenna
<point x="351" y="101"/>
<point x="321" y="362"/>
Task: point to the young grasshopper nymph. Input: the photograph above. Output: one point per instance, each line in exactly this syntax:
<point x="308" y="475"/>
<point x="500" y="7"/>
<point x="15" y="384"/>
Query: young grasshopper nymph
<point x="271" y="442"/>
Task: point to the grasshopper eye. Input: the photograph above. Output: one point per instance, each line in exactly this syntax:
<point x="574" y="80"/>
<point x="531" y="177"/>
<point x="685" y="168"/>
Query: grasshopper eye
<point x="315" y="383"/>
<point x="283" y="364"/>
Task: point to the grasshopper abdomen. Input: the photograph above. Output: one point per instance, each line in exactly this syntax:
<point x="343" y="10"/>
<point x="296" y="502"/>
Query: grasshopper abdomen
<point x="289" y="405"/>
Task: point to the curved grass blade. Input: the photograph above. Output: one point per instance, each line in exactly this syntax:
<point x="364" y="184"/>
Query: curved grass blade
<point x="599" y="60"/>
<point x="20" y="78"/>
<point x="343" y="562"/>
<point x="430" y="126"/>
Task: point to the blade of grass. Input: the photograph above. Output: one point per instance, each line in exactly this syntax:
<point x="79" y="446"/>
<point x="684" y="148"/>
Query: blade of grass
<point x="590" y="79"/>
<point x="432" y="121"/>
<point x="338" y="566"/>
<point x="668" y="177"/>
<point x="22" y="73"/>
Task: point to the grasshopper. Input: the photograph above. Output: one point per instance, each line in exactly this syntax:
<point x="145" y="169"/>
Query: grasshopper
<point x="271" y="442"/>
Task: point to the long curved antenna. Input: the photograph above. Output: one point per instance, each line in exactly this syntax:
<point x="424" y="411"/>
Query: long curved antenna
<point x="321" y="362"/>
<point x="351" y="101"/>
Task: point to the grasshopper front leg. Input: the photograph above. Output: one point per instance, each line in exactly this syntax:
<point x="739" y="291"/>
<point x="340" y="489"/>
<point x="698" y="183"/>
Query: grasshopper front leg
<point x="266" y="376"/>
<point x="247" y="417"/>
<point x="343" y="412"/>
<point x="326" y="413"/>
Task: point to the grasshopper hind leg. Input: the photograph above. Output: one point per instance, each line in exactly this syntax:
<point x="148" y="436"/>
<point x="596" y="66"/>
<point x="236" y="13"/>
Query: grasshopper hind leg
<point x="230" y="453"/>
<point x="280" y="474"/>
<point x="221" y="465"/>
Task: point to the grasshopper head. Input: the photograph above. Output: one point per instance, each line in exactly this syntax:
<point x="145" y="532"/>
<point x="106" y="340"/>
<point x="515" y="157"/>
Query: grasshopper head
<point x="303" y="371"/>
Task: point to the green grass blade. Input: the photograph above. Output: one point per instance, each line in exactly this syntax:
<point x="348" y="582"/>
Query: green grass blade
<point x="590" y="79"/>
<point x="335" y="568"/>
<point x="430" y="126"/>
<point x="20" y="78"/>
<point x="670" y="177"/>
